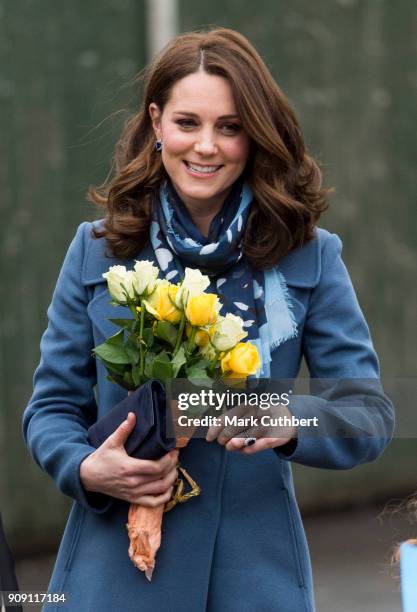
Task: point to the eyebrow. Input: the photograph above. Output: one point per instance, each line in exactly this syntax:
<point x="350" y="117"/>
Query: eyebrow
<point x="188" y="114"/>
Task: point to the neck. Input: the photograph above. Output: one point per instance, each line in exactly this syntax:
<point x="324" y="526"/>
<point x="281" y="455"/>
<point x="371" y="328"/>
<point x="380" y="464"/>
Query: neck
<point x="202" y="212"/>
<point x="202" y="215"/>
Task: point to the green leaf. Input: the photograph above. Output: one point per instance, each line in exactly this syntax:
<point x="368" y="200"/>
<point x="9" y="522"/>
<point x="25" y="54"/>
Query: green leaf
<point x="148" y="336"/>
<point x="118" y="380"/>
<point x="128" y="324"/>
<point x="117" y="339"/>
<point x="128" y="379"/>
<point x="114" y="367"/>
<point x="112" y="353"/>
<point x="149" y="359"/>
<point x="136" y="376"/>
<point x="166" y="331"/>
<point x="198" y="373"/>
<point x="132" y="350"/>
<point x="113" y="349"/>
<point x="198" y="360"/>
<point x="178" y="361"/>
<point x="162" y="368"/>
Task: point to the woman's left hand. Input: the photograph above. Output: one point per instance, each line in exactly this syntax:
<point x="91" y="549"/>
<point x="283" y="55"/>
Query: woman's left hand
<point x="233" y="437"/>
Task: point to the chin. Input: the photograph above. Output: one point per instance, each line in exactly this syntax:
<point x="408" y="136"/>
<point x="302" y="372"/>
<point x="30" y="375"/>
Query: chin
<point x="203" y="192"/>
<point x="198" y="192"/>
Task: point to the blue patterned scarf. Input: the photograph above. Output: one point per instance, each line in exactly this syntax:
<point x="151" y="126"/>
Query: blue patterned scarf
<point x="178" y="244"/>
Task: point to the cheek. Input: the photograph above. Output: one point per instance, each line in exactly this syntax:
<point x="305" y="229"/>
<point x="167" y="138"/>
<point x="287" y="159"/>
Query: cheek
<point x="237" y="149"/>
<point x="175" y="142"/>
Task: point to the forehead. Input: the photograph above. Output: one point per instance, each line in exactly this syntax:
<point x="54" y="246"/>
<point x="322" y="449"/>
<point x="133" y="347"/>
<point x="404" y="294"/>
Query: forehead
<point x="202" y="93"/>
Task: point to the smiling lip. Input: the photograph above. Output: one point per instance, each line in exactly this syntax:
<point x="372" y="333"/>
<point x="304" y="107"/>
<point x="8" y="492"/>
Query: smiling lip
<point x="209" y="169"/>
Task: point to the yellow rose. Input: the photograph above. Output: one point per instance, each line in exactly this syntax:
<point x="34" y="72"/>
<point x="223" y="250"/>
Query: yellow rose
<point x="161" y="303"/>
<point x="202" y="309"/>
<point x="201" y="337"/>
<point x="241" y="361"/>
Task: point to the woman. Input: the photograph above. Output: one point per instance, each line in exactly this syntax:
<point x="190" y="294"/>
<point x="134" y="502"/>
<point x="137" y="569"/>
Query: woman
<point x="212" y="173"/>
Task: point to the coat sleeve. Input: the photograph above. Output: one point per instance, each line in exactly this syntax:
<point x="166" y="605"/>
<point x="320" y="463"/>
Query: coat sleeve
<point x="355" y="419"/>
<point x="63" y="406"/>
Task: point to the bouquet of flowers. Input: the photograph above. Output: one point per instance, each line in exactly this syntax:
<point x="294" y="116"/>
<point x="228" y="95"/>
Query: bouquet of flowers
<point x="176" y="331"/>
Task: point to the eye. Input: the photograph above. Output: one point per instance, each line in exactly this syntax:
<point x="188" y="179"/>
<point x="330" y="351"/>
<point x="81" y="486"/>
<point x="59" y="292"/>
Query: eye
<point x="185" y="123"/>
<point x="230" y="128"/>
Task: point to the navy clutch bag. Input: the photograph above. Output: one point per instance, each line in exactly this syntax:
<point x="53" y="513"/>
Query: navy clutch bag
<point x="149" y="438"/>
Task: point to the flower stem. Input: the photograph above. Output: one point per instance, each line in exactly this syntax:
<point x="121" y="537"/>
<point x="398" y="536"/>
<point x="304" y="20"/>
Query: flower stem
<point x="180" y="333"/>
<point x="142" y="323"/>
<point x="214" y="363"/>
<point x="133" y="311"/>
<point x="191" y="339"/>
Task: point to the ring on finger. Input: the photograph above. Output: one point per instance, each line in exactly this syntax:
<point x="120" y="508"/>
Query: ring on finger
<point x="249" y="441"/>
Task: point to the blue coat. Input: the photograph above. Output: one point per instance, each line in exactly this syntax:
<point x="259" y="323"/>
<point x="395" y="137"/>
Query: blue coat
<point x="240" y="546"/>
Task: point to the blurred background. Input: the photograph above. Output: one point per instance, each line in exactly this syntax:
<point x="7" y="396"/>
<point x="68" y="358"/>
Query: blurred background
<point x="66" y="88"/>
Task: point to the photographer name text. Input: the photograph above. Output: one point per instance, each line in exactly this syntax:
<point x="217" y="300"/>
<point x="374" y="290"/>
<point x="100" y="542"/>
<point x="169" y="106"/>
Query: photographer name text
<point x="265" y="420"/>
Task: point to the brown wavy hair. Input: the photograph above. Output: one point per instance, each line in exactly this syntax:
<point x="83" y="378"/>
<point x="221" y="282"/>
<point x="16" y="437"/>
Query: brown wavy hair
<point x="285" y="180"/>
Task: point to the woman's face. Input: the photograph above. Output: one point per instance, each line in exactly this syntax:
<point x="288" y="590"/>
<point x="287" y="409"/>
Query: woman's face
<point x="204" y="147"/>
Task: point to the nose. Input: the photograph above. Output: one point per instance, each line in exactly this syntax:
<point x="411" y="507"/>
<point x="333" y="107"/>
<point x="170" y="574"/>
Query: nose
<point x="206" y="143"/>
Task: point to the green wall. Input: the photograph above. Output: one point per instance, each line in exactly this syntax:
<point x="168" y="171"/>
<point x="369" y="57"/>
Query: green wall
<point x="63" y="74"/>
<point x="348" y="67"/>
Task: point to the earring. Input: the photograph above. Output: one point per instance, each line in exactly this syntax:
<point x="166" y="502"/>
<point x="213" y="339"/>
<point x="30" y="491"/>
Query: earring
<point x="158" y="145"/>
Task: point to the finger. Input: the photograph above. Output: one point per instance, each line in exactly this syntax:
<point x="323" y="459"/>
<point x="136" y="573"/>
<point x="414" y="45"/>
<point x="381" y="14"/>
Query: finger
<point x="239" y="442"/>
<point x="155" y="468"/>
<point x="158" y="487"/>
<point x="118" y="438"/>
<point x="154" y="500"/>
<point x="235" y="444"/>
<point x="230" y="433"/>
<point x="260" y="445"/>
<point x="214" y="431"/>
<point x="174" y="454"/>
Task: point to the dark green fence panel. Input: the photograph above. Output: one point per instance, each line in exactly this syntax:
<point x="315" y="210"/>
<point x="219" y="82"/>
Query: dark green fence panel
<point x="63" y="70"/>
<point x="349" y="68"/>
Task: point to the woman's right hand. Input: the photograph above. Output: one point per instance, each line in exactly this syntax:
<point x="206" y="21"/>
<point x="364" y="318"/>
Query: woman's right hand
<point x="111" y="471"/>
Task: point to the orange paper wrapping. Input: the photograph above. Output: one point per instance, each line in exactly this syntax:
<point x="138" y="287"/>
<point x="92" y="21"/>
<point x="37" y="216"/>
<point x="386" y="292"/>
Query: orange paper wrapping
<point x="145" y="523"/>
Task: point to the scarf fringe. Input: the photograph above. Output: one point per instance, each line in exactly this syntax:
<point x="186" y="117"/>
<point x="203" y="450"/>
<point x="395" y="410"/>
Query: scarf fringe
<point x="285" y="297"/>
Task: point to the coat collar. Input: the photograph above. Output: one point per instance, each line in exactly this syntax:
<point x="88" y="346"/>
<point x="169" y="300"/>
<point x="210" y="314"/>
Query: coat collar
<point x="302" y="267"/>
<point x="97" y="261"/>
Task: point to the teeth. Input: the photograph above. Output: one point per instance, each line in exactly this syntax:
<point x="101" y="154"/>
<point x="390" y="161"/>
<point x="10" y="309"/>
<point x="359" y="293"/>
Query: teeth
<point x="202" y="169"/>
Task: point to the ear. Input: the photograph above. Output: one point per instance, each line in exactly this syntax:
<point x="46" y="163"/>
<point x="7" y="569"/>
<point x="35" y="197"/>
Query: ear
<point x="156" y="116"/>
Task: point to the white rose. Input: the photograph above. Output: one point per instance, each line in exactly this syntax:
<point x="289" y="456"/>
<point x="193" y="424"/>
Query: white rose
<point x="194" y="283"/>
<point x="120" y="281"/>
<point x="228" y="331"/>
<point x="144" y="277"/>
